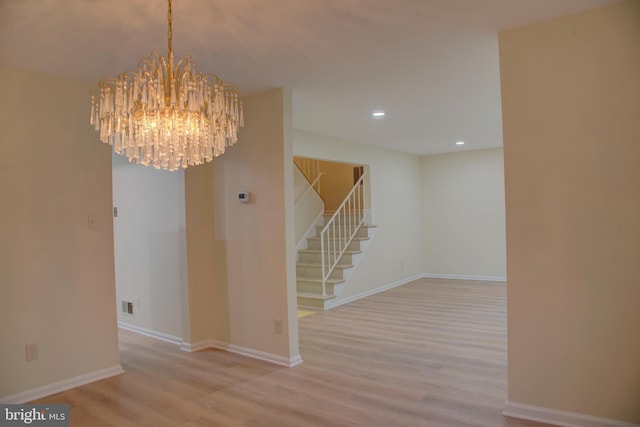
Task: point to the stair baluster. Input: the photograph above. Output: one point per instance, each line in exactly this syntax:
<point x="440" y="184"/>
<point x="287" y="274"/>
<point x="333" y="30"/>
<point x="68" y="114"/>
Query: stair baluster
<point x="347" y="220"/>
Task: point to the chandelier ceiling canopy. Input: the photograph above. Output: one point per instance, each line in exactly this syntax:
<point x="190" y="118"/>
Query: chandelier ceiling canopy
<point x="165" y="114"/>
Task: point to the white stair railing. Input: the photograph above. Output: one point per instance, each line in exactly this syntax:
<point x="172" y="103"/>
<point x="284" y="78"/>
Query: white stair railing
<point x="310" y="168"/>
<point x="340" y="230"/>
<point x="312" y="185"/>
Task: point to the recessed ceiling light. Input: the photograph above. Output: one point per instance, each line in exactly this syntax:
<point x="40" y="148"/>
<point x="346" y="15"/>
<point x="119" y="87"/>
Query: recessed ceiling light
<point x="460" y="143"/>
<point x="378" y="114"/>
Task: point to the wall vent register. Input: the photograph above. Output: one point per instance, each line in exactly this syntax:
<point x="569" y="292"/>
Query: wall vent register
<point x="127" y="308"/>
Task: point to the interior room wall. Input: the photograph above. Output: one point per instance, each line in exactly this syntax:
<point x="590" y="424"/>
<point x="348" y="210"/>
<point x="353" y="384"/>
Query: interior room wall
<point x="149" y="245"/>
<point x="57" y="286"/>
<point x="395" y="253"/>
<point x="207" y="289"/>
<point x="463" y="214"/>
<point x="571" y="92"/>
<point x="255" y="240"/>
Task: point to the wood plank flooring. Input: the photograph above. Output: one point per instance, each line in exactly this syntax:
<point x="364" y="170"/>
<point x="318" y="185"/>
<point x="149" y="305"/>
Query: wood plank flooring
<point x="429" y="353"/>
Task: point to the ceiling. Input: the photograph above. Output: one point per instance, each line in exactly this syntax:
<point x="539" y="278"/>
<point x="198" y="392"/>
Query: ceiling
<point x="431" y="65"/>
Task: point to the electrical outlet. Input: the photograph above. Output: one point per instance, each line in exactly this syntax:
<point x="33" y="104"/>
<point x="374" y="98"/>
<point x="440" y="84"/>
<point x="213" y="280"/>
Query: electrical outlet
<point x="137" y="302"/>
<point x="277" y="326"/>
<point x="31" y="352"/>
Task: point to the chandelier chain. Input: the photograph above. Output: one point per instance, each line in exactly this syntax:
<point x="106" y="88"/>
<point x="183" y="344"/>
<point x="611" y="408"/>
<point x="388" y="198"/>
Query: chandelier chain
<point x="170" y="30"/>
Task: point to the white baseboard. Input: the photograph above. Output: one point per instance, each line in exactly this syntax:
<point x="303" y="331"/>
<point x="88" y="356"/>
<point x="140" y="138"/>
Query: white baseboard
<point x="201" y="345"/>
<point x="289" y="362"/>
<point x="148" y="332"/>
<point x="59" y="386"/>
<point x="382" y="288"/>
<point x="559" y="418"/>
<point x="464" y="277"/>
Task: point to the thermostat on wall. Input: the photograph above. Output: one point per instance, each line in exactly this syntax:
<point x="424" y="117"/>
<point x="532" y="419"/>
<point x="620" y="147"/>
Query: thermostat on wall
<point x="243" y="196"/>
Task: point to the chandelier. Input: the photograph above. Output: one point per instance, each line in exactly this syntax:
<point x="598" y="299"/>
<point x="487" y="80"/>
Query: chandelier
<point x="167" y="115"/>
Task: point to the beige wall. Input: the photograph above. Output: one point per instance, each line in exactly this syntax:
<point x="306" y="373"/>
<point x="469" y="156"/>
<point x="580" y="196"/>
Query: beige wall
<point x="335" y="184"/>
<point x="241" y="256"/>
<point x="571" y="99"/>
<point x="395" y="253"/>
<point x="207" y="294"/>
<point x="149" y="245"/>
<point x="56" y="275"/>
<point x="463" y="214"/>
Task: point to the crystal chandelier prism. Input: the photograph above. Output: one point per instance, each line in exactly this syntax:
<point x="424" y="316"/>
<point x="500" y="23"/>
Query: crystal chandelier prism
<point x="165" y="114"/>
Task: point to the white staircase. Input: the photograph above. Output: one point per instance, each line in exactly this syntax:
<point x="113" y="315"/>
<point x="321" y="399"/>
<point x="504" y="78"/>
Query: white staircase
<point x="309" y="270"/>
<point x="331" y="245"/>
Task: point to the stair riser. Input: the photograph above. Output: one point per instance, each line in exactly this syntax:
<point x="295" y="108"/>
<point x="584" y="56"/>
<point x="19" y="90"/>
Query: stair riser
<point x="362" y="232"/>
<point x="315" y="244"/>
<point x="353" y="217"/>
<point x="316" y="288"/>
<point x="316" y="258"/>
<point x="316" y="272"/>
<point x="311" y="303"/>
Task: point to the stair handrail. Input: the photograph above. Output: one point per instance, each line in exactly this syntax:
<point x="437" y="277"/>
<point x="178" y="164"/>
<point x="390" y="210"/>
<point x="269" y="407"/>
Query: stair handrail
<point x="310" y="169"/>
<point x="349" y="216"/>
<point x="311" y="187"/>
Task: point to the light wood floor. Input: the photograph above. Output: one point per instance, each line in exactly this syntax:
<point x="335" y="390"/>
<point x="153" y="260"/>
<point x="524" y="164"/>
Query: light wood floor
<point x="430" y="353"/>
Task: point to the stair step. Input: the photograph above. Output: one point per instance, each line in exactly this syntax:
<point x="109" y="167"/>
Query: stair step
<point x="315" y="296"/>
<point x="337" y="227"/>
<point x="332" y="287"/>
<point x="315" y="256"/>
<point x="360" y="238"/>
<point x="318" y="252"/>
<point x="329" y="281"/>
<point x="319" y="265"/>
<point x="314" y="243"/>
<point x="342" y="232"/>
<point x="347" y="225"/>
<point x="329" y="214"/>
<point x="313" y="301"/>
<point x="314" y="270"/>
